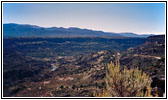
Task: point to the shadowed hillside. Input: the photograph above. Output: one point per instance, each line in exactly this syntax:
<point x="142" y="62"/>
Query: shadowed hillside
<point x="75" y="66"/>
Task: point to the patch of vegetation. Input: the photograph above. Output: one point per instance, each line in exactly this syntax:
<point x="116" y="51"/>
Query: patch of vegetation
<point x="125" y="82"/>
<point x="51" y="47"/>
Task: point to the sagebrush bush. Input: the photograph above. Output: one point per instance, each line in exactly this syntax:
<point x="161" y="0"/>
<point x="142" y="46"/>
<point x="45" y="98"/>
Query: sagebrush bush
<point x="126" y="82"/>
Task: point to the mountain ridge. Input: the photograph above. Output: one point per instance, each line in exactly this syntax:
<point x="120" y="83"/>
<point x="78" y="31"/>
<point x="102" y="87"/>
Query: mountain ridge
<point x="26" y="30"/>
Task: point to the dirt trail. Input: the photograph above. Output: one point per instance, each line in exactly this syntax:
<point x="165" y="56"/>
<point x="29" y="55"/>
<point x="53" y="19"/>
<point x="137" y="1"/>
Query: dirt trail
<point x="156" y="57"/>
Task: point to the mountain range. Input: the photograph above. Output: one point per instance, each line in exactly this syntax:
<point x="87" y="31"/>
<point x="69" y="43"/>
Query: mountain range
<point x="26" y="30"/>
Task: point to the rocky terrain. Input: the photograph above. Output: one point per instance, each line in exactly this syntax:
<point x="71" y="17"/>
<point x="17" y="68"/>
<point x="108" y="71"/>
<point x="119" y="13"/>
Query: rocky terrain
<point x="79" y="75"/>
<point x="150" y="57"/>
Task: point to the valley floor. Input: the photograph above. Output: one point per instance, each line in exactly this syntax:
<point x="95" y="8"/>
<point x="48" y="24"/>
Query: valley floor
<point x="74" y="67"/>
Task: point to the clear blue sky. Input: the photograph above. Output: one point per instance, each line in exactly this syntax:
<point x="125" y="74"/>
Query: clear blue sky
<point x="141" y="18"/>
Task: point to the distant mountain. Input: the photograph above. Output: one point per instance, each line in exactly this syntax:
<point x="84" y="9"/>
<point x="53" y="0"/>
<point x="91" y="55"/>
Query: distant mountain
<point x="25" y="30"/>
<point x="135" y="35"/>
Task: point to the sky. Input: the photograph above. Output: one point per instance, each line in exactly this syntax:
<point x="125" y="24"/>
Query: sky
<point x="140" y="18"/>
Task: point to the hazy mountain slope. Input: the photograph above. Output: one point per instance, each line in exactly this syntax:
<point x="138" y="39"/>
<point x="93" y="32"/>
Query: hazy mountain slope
<point x="135" y="35"/>
<point x="18" y="30"/>
<point x="25" y="30"/>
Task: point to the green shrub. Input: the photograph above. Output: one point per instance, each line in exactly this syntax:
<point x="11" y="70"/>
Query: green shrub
<point x="125" y="83"/>
<point x="74" y="86"/>
<point x="62" y="87"/>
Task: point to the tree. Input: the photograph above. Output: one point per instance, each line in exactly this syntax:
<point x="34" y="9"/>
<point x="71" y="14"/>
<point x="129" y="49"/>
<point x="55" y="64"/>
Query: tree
<point x="96" y="84"/>
<point x="74" y="86"/>
<point x="62" y="87"/>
